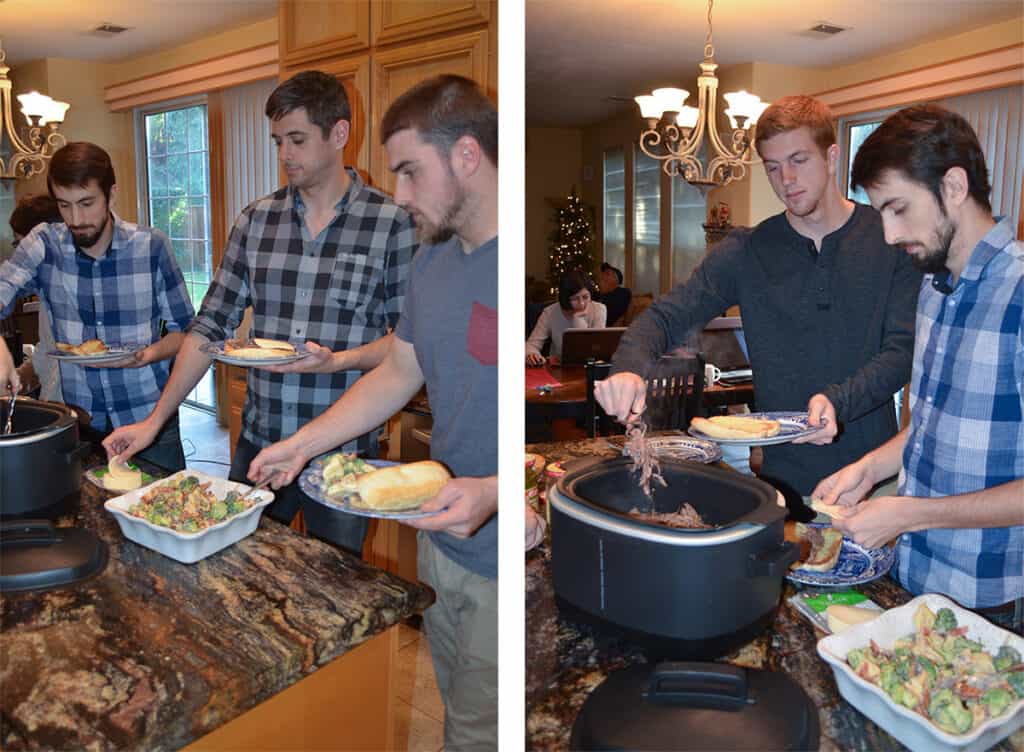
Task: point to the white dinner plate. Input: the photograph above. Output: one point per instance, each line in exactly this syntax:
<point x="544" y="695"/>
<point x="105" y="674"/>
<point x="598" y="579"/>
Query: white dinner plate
<point x="112" y="354"/>
<point x="311" y="481"/>
<point x="791" y="426"/>
<point x="216" y="350"/>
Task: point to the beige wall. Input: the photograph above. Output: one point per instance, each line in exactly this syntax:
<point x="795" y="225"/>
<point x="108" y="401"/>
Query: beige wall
<point x="554" y="166"/>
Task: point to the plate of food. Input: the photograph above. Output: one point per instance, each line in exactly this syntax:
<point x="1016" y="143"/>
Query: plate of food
<point x="682" y="448"/>
<point x="373" y="488"/>
<point x="255" y="352"/>
<point x="118" y="476"/>
<point x="92" y="351"/>
<point x="752" y="429"/>
<point x="934" y="675"/>
<point x="189" y="515"/>
<point x="827" y="559"/>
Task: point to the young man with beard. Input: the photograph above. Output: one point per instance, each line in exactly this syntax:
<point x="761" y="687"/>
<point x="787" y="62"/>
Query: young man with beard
<point x="441" y="138"/>
<point x="99" y="277"/>
<point x="322" y="260"/>
<point x="827" y="306"/>
<point x="959" y="516"/>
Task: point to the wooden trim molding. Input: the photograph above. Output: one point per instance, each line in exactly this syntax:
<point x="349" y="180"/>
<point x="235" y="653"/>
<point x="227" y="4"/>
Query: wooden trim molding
<point x="210" y="75"/>
<point x="987" y="70"/>
<point x="396" y="21"/>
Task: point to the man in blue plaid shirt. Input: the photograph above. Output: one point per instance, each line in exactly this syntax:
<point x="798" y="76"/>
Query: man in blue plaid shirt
<point x="324" y="261"/>
<point x="99" y="277"/>
<point x="959" y="518"/>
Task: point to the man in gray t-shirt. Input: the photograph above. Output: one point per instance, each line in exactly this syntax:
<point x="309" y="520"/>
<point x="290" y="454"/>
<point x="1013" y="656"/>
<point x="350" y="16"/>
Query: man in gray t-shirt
<point x="441" y="139"/>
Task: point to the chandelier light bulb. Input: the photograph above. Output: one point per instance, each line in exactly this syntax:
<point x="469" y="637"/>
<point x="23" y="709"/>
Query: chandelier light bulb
<point x="55" y="112"/>
<point x="34" y="105"/>
<point x="687" y="117"/>
<point x="671" y="100"/>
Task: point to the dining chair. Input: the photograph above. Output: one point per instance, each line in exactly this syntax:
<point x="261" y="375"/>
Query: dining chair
<point x="675" y="387"/>
<point x="599" y="423"/>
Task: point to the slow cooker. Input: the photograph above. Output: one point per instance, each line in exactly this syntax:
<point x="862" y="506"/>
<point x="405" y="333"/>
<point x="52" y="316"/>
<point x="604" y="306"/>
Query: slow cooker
<point x="40" y="460"/>
<point x="685" y="594"/>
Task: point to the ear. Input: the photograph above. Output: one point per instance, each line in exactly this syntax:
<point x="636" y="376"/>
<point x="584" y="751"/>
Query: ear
<point x="465" y="156"/>
<point x="340" y="133"/>
<point x="954" y="186"/>
<point x="113" y="196"/>
<point x="832" y="158"/>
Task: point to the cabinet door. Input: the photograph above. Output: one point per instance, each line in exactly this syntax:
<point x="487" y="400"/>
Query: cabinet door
<point x="401" y="20"/>
<point x="354" y="75"/>
<point x="315" y="29"/>
<point x="397" y="70"/>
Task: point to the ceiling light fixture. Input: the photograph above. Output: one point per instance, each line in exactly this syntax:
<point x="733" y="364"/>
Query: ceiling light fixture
<point x="675" y="132"/>
<point x="25" y="158"/>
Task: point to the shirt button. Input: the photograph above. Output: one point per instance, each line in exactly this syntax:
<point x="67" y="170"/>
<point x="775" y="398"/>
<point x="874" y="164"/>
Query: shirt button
<point x="928" y="398"/>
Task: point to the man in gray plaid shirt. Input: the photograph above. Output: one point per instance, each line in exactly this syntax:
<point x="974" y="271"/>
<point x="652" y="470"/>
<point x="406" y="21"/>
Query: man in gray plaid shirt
<point x="322" y="261"/>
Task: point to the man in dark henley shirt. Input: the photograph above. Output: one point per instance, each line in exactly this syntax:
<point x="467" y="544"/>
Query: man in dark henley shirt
<point x="828" y="309"/>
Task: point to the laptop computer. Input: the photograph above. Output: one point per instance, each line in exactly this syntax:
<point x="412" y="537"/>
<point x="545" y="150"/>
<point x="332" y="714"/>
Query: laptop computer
<point x="579" y="345"/>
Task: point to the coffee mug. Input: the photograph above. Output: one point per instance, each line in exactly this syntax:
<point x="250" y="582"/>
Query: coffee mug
<point x="712" y="374"/>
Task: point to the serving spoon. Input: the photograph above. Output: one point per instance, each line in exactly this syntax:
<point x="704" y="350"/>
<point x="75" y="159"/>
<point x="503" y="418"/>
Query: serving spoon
<point x="9" y="427"/>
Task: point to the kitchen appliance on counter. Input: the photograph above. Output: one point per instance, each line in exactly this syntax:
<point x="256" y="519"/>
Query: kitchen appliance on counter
<point x="40" y="480"/>
<point x="696" y="706"/>
<point x="682" y="594"/>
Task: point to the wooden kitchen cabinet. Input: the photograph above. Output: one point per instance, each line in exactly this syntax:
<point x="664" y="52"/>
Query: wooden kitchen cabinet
<point x="319" y="29"/>
<point x="402" y="20"/>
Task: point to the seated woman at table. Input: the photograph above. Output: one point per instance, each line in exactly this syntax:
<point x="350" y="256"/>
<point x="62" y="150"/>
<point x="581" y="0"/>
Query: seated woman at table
<point x="575" y="309"/>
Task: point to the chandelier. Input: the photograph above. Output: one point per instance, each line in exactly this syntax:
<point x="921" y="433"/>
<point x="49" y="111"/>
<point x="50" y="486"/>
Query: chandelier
<point x="675" y="131"/>
<point x="28" y="157"/>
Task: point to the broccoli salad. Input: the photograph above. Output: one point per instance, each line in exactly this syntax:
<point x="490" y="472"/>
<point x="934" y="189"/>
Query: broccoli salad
<point x="340" y="473"/>
<point x="188" y="506"/>
<point x="943" y="675"/>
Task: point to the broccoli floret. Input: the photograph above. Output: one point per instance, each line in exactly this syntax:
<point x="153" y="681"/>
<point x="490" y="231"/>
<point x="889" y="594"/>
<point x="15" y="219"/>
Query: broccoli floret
<point x="945" y="620"/>
<point x="996" y="701"/>
<point x="889" y="678"/>
<point x="188" y="483"/>
<point x="1016" y="681"/>
<point x="928" y="666"/>
<point x="903" y="669"/>
<point x="949" y="713"/>
<point x="1006" y="657"/>
<point x="219" y="510"/>
<point x="855" y="657"/>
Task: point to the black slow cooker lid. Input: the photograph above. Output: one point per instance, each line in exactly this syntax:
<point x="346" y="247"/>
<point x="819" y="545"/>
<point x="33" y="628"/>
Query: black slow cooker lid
<point x="34" y="419"/>
<point x="696" y="706"/>
<point x="35" y="555"/>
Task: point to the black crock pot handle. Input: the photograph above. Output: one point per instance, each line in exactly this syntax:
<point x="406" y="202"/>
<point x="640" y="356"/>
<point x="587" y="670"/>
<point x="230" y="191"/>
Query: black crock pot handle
<point x="79" y="452"/>
<point x="698" y="685"/>
<point x="28" y="532"/>
<point x="774" y="562"/>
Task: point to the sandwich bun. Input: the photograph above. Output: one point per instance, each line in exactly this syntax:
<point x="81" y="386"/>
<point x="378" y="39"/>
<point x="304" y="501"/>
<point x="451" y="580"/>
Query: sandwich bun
<point x="274" y="344"/>
<point x="831" y="510"/>
<point x="89" y="347"/>
<point x="825" y="543"/>
<point x="120" y="477"/>
<point x="400" y="487"/>
<point x="736" y="427"/>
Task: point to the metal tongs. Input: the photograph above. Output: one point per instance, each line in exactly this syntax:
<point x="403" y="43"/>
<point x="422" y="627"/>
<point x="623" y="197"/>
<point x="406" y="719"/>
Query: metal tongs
<point x="9" y="426"/>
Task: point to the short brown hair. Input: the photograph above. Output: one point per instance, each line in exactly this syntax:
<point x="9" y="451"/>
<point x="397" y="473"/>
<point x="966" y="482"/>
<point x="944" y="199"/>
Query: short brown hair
<point x="321" y="94"/>
<point x="789" y="113"/>
<point x="442" y="110"/>
<point x="75" y="164"/>
<point x="33" y="210"/>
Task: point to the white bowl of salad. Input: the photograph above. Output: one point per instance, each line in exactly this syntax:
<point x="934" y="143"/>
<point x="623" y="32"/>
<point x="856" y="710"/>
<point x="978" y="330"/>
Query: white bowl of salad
<point x="934" y="675"/>
<point x="189" y="515"/>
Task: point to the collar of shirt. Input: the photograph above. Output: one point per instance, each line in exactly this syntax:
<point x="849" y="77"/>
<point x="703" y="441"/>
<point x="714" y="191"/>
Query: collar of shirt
<point x="355" y="187"/>
<point x="988" y="248"/>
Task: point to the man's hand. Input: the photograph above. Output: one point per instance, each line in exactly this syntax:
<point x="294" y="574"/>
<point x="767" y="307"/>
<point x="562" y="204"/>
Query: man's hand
<point x="847" y="486"/>
<point x="821" y="415"/>
<point x="534" y="359"/>
<point x="320" y="360"/>
<point x="10" y="382"/>
<point x="467" y="503"/>
<point x="127" y="441"/>
<point x="283" y="460"/>
<point x="878" y="521"/>
<point x="623" y="396"/>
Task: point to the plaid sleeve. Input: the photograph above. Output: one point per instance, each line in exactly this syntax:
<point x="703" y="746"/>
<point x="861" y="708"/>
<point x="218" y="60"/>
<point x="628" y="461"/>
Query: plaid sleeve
<point x="172" y="294"/>
<point x="397" y="262"/>
<point x="228" y="295"/>
<point x="18" y="273"/>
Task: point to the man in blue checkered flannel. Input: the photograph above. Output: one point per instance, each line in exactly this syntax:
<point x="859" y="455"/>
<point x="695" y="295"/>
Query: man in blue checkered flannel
<point x="99" y="277"/>
<point x="322" y="261"/>
<point x="958" y="521"/>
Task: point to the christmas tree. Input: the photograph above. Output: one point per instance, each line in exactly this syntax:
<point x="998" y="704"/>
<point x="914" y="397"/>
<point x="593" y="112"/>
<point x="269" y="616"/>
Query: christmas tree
<point x="572" y="241"/>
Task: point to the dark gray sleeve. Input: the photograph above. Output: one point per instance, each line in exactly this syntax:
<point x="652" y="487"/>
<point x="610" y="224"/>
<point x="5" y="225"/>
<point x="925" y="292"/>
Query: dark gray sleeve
<point x="884" y="374"/>
<point x="712" y="288"/>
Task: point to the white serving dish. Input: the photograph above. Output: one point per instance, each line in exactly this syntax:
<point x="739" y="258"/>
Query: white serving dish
<point x="913" y="730"/>
<point x="188" y="547"/>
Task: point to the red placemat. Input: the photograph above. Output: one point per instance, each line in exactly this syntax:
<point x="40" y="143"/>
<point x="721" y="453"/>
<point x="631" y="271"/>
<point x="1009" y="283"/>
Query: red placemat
<point x="536" y="377"/>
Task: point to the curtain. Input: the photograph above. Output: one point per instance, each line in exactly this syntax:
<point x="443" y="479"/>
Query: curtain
<point x="250" y="159"/>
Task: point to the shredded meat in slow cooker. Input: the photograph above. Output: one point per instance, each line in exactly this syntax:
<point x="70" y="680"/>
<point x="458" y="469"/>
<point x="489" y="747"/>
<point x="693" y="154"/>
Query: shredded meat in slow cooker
<point x="685" y="517"/>
<point x="645" y="462"/>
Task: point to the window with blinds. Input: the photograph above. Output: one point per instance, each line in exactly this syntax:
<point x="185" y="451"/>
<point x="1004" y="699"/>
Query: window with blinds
<point x="646" y="223"/>
<point x="615" y="208"/>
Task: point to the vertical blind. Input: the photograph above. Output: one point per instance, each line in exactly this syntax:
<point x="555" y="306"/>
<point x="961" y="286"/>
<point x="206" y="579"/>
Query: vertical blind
<point x="250" y="159"/>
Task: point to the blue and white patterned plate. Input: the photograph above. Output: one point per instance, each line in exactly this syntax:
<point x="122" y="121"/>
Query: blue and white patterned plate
<point x="112" y="354"/>
<point x="856" y="565"/>
<point x="311" y="481"/>
<point x="791" y="426"/>
<point x="216" y="351"/>
<point x="683" y="448"/>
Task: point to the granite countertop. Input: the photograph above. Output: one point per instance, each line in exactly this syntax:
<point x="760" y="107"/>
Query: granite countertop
<point x="566" y="661"/>
<point x="153" y="654"/>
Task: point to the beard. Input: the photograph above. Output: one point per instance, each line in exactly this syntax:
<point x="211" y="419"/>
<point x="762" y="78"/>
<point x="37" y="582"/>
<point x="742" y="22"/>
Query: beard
<point x="433" y="233"/>
<point x="933" y="260"/>
<point x="90" y="238"/>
